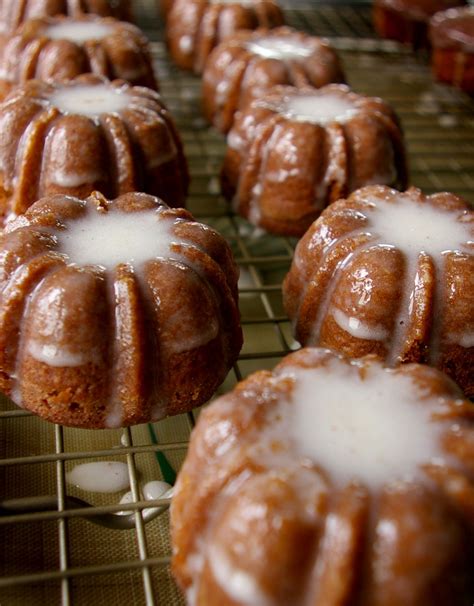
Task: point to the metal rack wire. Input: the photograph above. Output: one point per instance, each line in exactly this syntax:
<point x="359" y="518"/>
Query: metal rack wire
<point x="55" y="555"/>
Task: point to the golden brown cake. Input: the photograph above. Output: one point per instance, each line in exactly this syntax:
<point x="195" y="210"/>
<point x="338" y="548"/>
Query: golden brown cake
<point x="407" y="20"/>
<point x="294" y="151"/>
<point x="389" y="273"/>
<point x="452" y="40"/>
<point x="165" y="6"/>
<point x="61" y="48"/>
<point x="195" y="27"/>
<point x="248" y="64"/>
<point x="15" y="12"/>
<point x="86" y="134"/>
<point x="327" y="482"/>
<point x="115" y="312"/>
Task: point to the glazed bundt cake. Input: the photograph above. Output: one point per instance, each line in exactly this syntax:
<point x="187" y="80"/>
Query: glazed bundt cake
<point x="329" y="481"/>
<point x="452" y="40"/>
<point x="389" y="273"/>
<point x="87" y="134"/>
<point x="61" y="48"/>
<point x="407" y="20"/>
<point x="293" y="151"/>
<point x="15" y="12"/>
<point x="116" y="312"/>
<point x="195" y="27"/>
<point x="245" y="66"/>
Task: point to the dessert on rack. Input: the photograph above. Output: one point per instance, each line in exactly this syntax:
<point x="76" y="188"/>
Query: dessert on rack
<point x="114" y="312"/>
<point x="61" y="48"/>
<point x="452" y="41"/>
<point x="329" y="481"/>
<point x="83" y="135"/>
<point x="14" y="12"/>
<point x="249" y="63"/>
<point x="389" y="273"/>
<point x="407" y="20"/>
<point x="195" y="27"/>
<point x="295" y="150"/>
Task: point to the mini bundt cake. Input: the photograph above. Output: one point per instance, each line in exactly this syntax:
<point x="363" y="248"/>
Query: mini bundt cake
<point x="407" y="20"/>
<point x="392" y="274"/>
<point x="294" y="151"/>
<point x="116" y="312"/>
<point x="87" y="134"/>
<point x="61" y="48"/>
<point x="195" y="27"/>
<point x="452" y="40"/>
<point x="327" y="482"/>
<point x="245" y="66"/>
<point x="15" y="12"/>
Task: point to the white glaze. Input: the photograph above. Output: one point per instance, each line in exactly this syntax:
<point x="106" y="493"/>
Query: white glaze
<point x="114" y="416"/>
<point x="60" y="357"/>
<point x="103" y="476"/>
<point x="359" y="329"/>
<point x="77" y="31"/>
<point x="318" y="109"/>
<point x="415" y="228"/>
<point x="281" y="47"/>
<point x="464" y="339"/>
<point x="241" y="586"/>
<point x="111" y="238"/>
<point x="185" y="44"/>
<point x="64" y="177"/>
<point x="90" y="100"/>
<point x="366" y="426"/>
<point x="126" y="499"/>
<point x="156" y="489"/>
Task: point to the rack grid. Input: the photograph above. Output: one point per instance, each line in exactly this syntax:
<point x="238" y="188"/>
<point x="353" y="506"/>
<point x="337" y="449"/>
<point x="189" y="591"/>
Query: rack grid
<point x="52" y="552"/>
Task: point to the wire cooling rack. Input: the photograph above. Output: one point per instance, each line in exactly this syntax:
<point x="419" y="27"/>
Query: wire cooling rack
<point x="53" y="553"/>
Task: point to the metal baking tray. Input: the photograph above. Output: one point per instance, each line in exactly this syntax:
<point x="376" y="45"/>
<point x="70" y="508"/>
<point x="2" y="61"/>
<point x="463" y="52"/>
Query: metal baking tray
<point x="53" y="553"/>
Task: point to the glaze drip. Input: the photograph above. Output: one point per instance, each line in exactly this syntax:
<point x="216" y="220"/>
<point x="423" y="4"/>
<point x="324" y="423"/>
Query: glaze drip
<point x="77" y="31"/>
<point x="273" y="47"/>
<point x="351" y="421"/>
<point x="91" y="101"/>
<point x="131" y="238"/>
<point x="318" y="109"/>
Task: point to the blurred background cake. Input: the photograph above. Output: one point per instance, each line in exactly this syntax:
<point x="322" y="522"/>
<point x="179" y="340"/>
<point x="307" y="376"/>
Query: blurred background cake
<point x="293" y="151"/>
<point x="248" y="64"/>
<point x="62" y="48"/>
<point x="14" y="12"/>
<point x="452" y="40"/>
<point x="83" y="135"/>
<point x="195" y="27"/>
<point x="407" y="20"/>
